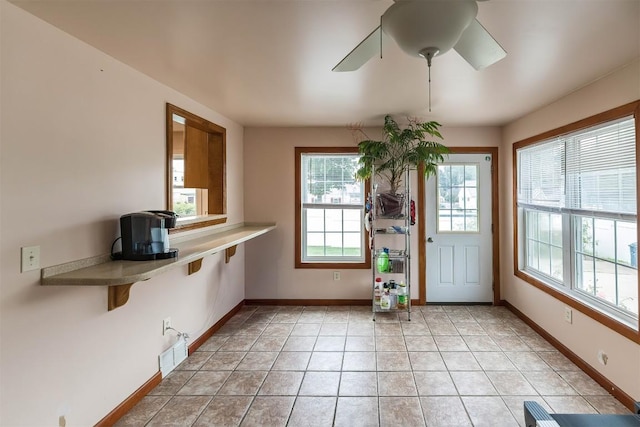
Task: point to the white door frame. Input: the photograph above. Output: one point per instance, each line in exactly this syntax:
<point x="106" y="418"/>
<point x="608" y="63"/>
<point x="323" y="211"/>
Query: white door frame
<point x="495" y="226"/>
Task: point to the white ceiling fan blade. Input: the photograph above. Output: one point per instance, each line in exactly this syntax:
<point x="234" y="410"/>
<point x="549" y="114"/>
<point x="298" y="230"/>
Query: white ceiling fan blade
<point x="366" y="50"/>
<point x="478" y="48"/>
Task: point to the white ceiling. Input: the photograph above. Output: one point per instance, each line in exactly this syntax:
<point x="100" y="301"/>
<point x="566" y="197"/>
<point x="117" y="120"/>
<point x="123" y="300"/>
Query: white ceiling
<point x="268" y="62"/>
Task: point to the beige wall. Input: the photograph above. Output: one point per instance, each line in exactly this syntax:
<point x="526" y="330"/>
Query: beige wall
<point x="269" y="196"/>
<point x="585" y="337"/>
<point x="83" y="142"/>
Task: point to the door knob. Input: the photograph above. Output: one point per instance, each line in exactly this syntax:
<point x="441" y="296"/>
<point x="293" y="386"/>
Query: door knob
<point x="430" y="240"/>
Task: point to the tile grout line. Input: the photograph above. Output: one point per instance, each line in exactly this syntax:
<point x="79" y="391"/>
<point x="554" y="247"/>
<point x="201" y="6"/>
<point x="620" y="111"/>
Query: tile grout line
<point x="375" y="338"/>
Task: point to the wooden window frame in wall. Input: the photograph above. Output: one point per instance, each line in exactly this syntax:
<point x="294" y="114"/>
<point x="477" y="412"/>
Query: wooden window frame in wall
<point x="632" y="108"/>
<point x="211" y="167"/>
<point x="348" y="265"/>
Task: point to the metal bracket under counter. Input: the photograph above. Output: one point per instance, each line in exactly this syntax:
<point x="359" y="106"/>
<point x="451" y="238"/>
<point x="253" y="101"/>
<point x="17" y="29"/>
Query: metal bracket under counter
<point x="120" y="275"/>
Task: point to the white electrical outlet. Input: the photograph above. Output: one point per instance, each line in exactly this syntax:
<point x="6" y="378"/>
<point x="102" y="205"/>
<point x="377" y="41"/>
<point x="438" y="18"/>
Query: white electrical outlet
<point x="336" y="275"/>
<point x="166" y="325"/>
<point x="30" y="258"/>
<point x="568" y="315"/>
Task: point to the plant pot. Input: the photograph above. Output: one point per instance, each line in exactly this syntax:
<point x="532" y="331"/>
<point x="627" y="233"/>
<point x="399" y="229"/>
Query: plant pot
<point x="390" y="204"/>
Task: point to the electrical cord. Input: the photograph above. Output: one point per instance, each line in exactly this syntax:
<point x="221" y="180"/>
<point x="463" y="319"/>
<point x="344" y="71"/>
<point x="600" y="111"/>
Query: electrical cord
<point x="118" y="255"/>
<point x="180" y="334"/>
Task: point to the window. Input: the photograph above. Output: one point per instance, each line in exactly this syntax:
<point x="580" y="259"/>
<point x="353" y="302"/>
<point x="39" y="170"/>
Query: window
<point x="329" y="210"/>
<point x="576" y="214"/>
<point x="196" y="184"/>
<point x="458" y="198"/>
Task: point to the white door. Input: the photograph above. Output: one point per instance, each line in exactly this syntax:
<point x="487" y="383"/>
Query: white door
<point x="459" y="237"/>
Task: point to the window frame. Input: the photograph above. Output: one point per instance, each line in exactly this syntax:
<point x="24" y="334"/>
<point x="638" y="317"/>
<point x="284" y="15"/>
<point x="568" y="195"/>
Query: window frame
<point x="463" y="187"/>
<point x="299" y="263"/>
<point x="215" y="172"/>
<point x="567" y="294"/>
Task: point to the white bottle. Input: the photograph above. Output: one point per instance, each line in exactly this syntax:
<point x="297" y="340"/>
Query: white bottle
<point x="377" y="290"/>
<point x="385" y="301"/>
<point x="402" y="296"/>
<point x="393" y="296"/>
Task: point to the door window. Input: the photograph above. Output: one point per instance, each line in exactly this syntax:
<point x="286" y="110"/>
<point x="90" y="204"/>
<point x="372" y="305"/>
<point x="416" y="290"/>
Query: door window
<point x="458" y="198"/>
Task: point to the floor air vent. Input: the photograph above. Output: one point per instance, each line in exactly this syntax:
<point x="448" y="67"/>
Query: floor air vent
<point x="173" y="356"/>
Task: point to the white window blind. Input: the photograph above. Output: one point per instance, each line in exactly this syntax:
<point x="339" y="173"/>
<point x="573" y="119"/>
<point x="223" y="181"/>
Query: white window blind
<point x="600" y="168"/>
<point x="541" y="178"/>
<point x="589" y="170"/>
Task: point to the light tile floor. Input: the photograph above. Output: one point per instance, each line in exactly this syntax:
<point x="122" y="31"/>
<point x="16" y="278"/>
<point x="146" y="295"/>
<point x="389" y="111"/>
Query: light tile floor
<point x="334" y="366"/>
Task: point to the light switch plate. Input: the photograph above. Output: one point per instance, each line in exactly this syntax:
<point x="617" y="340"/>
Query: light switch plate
<point x="30" y="258"/>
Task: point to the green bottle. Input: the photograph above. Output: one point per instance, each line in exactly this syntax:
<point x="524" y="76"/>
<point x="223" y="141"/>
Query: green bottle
<point x="383" y="261"/>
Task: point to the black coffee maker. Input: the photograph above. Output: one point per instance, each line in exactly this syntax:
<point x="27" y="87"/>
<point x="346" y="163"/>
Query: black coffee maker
<point x="145" y="235"/>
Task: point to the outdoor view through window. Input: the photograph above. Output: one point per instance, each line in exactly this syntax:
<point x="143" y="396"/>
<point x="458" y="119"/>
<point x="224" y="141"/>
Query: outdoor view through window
<point x="458" y="198"/>
<point x="332" y="208"/>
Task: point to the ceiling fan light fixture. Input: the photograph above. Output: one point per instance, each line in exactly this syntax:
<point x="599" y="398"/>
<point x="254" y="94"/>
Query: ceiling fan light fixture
<point x="416" y="25"/>
<point x="426" y="28"/>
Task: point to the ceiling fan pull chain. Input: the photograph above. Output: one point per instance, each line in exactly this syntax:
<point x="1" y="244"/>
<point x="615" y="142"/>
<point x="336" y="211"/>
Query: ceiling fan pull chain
<point x="428" y="53"/>
<point x="429" y="87"/>
<point x="380" y="37"/>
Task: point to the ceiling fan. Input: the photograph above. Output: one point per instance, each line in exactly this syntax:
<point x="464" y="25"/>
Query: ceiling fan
<point x="426" y="28"/>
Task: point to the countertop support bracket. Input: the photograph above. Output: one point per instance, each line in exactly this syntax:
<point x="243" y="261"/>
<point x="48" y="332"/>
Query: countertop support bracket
<point x="118" y="295"/>
<point x="229" y="252"/>
<point x="194" y="266"/>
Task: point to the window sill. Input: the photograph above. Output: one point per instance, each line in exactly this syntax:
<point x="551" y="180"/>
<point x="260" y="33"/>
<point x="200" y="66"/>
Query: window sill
<point x="200" y="221"/>
<point x="623" y="328"/>
<point x="335" y="265"/>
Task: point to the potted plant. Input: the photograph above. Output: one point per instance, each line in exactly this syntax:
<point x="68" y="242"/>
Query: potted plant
<point x="398" y="151"/>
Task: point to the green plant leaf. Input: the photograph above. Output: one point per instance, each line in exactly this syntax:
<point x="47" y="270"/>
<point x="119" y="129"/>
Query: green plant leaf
<point x="401" y="149"/>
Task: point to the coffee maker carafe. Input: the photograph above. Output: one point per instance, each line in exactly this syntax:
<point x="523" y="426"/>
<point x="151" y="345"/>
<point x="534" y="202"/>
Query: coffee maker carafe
<point x="145" y="235"/>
